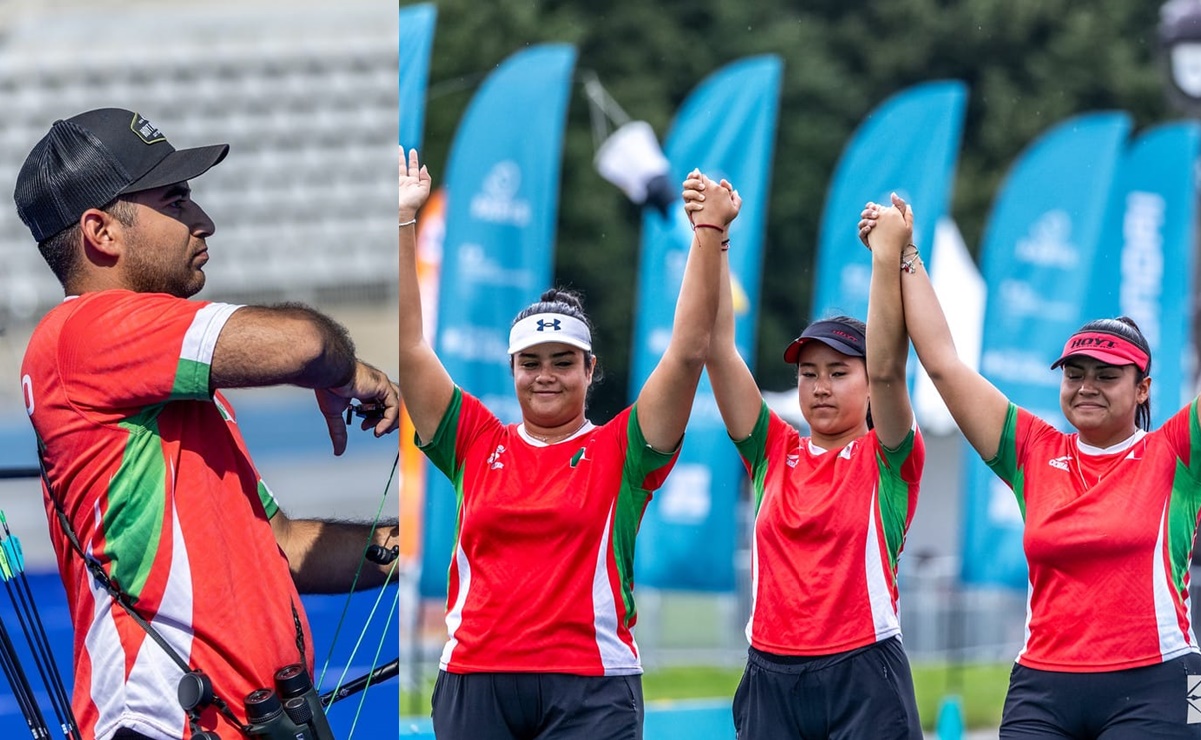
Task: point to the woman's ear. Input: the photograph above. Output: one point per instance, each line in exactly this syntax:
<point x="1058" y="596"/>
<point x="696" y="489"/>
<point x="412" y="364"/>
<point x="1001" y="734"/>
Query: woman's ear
<point x="1143" y="390"/>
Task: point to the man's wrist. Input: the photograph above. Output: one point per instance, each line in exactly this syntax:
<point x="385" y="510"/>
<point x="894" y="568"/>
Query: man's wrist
<point x="347" y="385"/>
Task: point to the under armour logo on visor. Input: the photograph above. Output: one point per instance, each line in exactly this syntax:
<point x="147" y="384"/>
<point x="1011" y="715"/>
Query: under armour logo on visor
<point x="543" y="325"/>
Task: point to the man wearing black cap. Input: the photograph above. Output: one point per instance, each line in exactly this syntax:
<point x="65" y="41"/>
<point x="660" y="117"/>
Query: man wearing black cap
<point x="147" y="476"/>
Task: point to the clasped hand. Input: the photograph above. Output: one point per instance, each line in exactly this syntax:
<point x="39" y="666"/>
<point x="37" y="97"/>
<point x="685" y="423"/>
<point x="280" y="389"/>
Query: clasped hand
<point x="710" y="203"/>
<point x="887" y="226"/>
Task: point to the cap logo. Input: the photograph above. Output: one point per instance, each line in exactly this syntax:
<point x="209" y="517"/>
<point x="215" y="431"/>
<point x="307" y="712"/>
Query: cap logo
<point x="1108" y="348"/>
<point x="146" y="130"/>
<point x="1098" y="342"/>
<point x="533" y="329"/>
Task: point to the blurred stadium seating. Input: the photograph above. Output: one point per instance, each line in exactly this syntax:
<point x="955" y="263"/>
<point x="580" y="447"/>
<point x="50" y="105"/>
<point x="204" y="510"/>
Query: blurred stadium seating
<point x="304" y="93"/>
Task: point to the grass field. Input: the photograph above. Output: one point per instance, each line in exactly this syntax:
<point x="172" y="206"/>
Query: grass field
<point x="981" y="689"/>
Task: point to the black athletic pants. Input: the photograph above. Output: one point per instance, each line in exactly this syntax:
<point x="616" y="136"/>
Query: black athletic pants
<point x="537" y="706"/>
<point x="862" y="694"/>
<point x="1156" y="701"/>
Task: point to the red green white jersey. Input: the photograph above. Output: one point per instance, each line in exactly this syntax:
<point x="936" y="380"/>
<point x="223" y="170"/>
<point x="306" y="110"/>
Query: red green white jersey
<point x="829" y="528"/>
<point x="1108" y="540"/>
<point x="541" y="579"/>
<point x="158" y="485"/>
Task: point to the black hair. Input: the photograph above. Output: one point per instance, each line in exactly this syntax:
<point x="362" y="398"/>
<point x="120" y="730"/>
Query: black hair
<point x="1124" y="327"/>
<point x="61" y="251"/>
<point x="565" y="303"/>
<point x="860" y="327"/>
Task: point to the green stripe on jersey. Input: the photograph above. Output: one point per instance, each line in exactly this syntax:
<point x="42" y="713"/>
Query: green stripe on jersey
<point x="267" y="498"/>
<point x="894" y="495"/>
<point x="631" y="502"/>
<point x="754" y="450"/>
<point x="133" y="519"/>
<point x="1004" y="463"/>
<point x="1184" y="505"/>
<point x="191" y="381"/>
<point x="442" y="453"/>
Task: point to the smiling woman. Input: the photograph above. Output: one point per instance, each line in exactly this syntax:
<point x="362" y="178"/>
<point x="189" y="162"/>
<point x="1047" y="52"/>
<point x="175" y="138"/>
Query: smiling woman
<point x="540" y="604"/>
<point x="550" y="352"/>
<point x="1110" y="512"/>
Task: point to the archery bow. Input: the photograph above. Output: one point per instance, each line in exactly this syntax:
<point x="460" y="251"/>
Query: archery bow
<point x="382" y="556"/>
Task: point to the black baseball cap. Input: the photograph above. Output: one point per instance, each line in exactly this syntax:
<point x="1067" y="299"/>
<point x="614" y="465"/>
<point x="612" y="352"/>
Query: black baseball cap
<point x="838" y="335"/>
<point x="87" y="160"/>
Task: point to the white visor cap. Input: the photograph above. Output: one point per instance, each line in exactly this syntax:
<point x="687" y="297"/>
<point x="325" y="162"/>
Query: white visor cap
<point x="541" y="328"/>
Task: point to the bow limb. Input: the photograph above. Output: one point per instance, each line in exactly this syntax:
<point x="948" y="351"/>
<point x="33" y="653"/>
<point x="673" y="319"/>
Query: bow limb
<point x="343" y="689"/>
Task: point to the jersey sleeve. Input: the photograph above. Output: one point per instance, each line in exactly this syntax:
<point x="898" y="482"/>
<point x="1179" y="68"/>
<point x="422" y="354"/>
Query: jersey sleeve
<point x="1183" y="432"/>
<point x="465" y="419"/>
<point x="1022" y="431"/>
<point x="264" y="493"/>
<point x="121" y="352"/>
<point x="1005" y="463"/>
<point x="905" y="463"/>
<point x="753" y="450"/>
<point x="900" y="481"/>
<point x="645" y="467"/>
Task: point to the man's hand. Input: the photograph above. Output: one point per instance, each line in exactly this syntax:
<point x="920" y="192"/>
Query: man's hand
<point x="368" y="385"/>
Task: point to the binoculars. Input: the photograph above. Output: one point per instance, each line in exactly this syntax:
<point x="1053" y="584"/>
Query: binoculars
<point x="290" y="711"/>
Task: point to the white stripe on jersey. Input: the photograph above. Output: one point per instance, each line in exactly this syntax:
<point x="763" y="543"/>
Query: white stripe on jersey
<point x="1029" y="614"/>
<point x="884" y="618"/>
<point x="454" y="617"/>
<point x="750" y="622"/>
<point x="154" y="675"/>
<point x="1171" y="642"/>
<point x="615" y="655"/>
<point x="108" y="660"/>
<point x="201" y="337"/>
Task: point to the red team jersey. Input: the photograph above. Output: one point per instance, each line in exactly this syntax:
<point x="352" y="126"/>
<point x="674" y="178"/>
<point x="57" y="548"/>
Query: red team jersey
<point x="829" y="527"/>
<point x="541" y="578"/>
<point x="159" y="487"/>
<point x="1108" y="540"/>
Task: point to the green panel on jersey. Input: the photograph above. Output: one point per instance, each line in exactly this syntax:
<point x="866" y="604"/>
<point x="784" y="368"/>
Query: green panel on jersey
<point x="640" y="461"/>
<point x="754" y="450"/>
<point x="442" y="453"/>
<point x="270" y="505"/>
<point x="894" y="495"/>
<point x="134" y="514"/>
<point x="1184" y="505"/>
<point x="1004" y="463"/>
<point x="191" y="381"/>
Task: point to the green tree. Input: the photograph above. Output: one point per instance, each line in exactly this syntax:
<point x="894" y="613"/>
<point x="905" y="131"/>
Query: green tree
<point x="1029" y="64"/>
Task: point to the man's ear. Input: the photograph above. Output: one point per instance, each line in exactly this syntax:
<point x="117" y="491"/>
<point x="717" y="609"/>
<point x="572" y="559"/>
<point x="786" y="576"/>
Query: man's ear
<point x="100" y="231"/>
